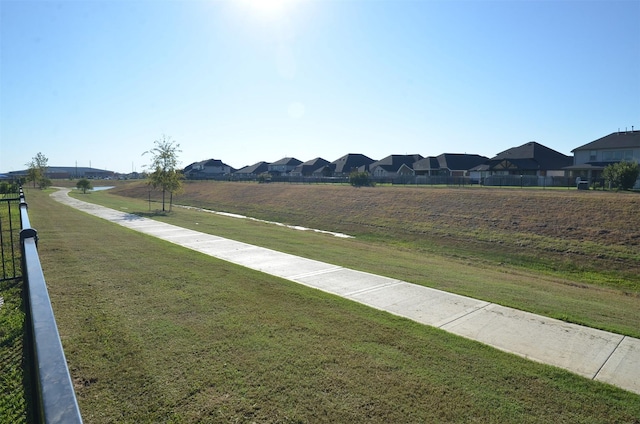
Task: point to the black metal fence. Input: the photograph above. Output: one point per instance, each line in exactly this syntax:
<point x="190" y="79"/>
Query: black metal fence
<point x="425" y="180"/>
<point x="10" y="236"/>
<point x="54" y="398"/>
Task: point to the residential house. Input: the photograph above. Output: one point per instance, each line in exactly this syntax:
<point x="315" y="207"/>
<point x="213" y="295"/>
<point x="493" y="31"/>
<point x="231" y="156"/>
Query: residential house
<point x="307" y="168"/>
<point x="253" y="170"/>
<point x="589" y="160"/>
<point x="210" y="168"/>
<point x="394" y="166"/>
<point x="448" y="164"/>
<point x="530" y="159"/>
<point x="283" y="166"/>
<point x="348" y="163"/>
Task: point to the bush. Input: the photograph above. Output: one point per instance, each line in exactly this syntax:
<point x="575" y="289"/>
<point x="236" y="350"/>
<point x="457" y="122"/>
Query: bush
<point x="361" y="179"/>
<point x="84" y="185"/>
<point x="621" y="175"/>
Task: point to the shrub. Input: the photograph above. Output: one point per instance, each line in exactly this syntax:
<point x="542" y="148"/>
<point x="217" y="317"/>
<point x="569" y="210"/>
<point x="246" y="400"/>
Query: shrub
<point x="361" y="179"/>
<point x="621" y="175"/>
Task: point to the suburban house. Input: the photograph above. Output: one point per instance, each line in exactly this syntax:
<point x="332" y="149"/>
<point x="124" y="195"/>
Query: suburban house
<point x="531" y="159"/>
<point x="394" y="166"/>
<point x="283" y="166"/>
<point x="448" y="164"/>
<point x="307" y="168"/>
<point x="209" y="168"/>
<point x="253" y="170"/>
<point x="346" y="164"/>
<point x="590" y="159"/>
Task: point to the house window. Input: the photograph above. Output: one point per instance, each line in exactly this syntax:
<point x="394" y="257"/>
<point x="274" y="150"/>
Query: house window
<point x="617" y="155"/>
<point x="593" y="155"/>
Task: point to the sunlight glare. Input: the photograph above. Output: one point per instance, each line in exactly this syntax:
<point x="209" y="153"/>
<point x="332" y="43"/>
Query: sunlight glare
<point x="267" y="7"/>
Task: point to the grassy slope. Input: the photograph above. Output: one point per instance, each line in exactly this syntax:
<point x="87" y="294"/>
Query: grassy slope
<point x="570" y="286"/>
<point x="571" y="231"/>
<point x="158" y="333"/>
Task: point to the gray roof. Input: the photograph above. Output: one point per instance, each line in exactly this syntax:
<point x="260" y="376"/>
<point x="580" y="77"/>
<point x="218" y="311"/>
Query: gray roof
<point x="450" y="161"/>
<point x="534" y="155"/>
<point x="616" y="140"/>
<point x="426" y="164"/>
<point x="350" y="162"/>
<point x="393" y="162"/>
<point x="256" y="168"/>
<point x="286" y="161"/>
<point x="311" y="165"/>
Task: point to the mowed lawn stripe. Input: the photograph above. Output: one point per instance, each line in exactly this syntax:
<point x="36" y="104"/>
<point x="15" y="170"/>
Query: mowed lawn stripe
<point x="158" y="333"/>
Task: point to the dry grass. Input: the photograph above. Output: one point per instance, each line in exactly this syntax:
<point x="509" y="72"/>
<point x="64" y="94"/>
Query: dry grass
<point x="594" y="236"/>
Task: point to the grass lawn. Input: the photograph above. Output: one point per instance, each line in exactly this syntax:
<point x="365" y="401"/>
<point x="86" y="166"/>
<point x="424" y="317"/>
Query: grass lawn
<point x="606" y="299"/>
<point x="157" y="333"/>
<point x="13" y="397"/>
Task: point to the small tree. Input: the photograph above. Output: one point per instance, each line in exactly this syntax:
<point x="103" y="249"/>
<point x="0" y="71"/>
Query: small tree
<point x="361" y="179"/>
<point x="84" y="185"/>
<point x="164" y="173"/>
<point x="37" y="171"/>
<point x="621" y="175"/>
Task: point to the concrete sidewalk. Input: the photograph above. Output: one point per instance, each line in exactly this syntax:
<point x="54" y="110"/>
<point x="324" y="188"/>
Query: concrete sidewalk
<point x="595" y="354"/>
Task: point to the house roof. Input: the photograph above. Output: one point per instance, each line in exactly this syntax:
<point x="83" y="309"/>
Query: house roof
<point x="450" y="161"/>
<point x="460" y="161"/>
<point x="197" y="167"/>
<point x="286" y="161"/>
<point x="616" y="140"/>
<point x="213" y="162"/>
<point x="311" y="165"/>
<point x="532" y="156"/>
<point x="206" y="162"/>
<point x="351" y="161"/>
<point x="256" y="168"/>
<point x="392" y="163"/>
<point x="427" y="164"/>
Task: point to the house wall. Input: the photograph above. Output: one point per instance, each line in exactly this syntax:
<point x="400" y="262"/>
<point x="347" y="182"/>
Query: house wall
<point x="606" y="155"/>
<point x="217" y="170"/>
<point x="280" y="168"/>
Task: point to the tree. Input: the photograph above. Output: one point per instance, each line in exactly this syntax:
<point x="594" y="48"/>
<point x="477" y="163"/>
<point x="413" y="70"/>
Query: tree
<point x="37" y="171"/>
<point x="360" y="179"/>
<point x="163" y="169"/>
<point x="84" y="185"/>
<point x="621" y="175"/>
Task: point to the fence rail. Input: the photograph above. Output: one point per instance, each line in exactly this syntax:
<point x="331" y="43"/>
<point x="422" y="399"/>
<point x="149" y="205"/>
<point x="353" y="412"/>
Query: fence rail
<point x="54" y="397"/>
<point x="425" y="180"/>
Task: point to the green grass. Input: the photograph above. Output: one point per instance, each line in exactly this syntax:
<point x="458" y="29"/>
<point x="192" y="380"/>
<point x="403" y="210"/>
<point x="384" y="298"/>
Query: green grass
<point x="156" y="333"/>
<point x="460" y="271"/>
<point x="13" y="397"/>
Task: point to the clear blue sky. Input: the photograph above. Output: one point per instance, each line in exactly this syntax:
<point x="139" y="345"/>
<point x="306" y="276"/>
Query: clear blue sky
<point x="96" y="82"/>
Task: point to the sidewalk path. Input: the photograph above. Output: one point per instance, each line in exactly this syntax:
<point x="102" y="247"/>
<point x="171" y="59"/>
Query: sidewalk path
<point x="595" y="354"/>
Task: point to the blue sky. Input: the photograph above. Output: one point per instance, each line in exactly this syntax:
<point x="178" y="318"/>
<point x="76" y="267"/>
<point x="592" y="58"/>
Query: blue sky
<point x="96" y="82"/>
